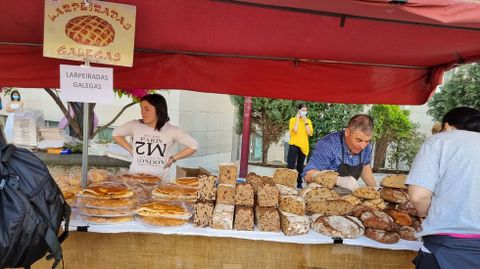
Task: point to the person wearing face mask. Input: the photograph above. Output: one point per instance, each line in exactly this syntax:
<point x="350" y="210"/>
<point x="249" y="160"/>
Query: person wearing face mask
<point x="15" y="104"/>
<point x="444" y="186"/>
<point x="347" y="152"/>
<point x="153" y="139"/>
<point x="300" y="128"/>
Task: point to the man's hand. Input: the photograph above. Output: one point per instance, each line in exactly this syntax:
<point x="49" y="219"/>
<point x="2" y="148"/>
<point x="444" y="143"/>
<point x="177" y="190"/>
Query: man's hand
<point x="347" y="182"/>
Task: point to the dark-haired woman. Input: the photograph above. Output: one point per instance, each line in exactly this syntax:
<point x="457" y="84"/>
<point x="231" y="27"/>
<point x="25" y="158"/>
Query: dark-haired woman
<point x="444" y="186"/>
<point x="300" y="128"/>
<point x="15" y="104"/>
<point x="153" y="138"/>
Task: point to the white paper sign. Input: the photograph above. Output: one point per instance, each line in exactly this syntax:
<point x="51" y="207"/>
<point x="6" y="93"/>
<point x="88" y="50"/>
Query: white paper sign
<point x="86" y="84"/>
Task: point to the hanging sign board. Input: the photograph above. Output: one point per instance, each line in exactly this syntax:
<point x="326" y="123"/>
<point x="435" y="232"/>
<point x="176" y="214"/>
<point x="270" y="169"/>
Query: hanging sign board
<point x="99" y="32"/>
<point x="86" y="84"/>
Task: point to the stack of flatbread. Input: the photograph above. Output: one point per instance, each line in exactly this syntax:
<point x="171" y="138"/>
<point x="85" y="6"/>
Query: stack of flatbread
<point x="106" y="203"/>
<point x="163" y="214"/>
<point x="173" y="192"/>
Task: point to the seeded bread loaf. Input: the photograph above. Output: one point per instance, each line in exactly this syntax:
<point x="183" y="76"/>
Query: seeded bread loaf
<point x="285" y="176"/>
<point x="367" y="193"/>
<point x="347" y="227"/>
<point x="255" y="180"/>
<point x="226" y="194"/>
<point x="203" y="214"/>
<point x="329" y="207"/>
<point x="223" y="217"/>
<point x="326" y="178"/>
<point x="244" y="194"/>
<point x="381" y="236"/>
<point x="267" y="195"/>
<point x="394" y="181"/>
<point x="315" y="192"/>
<point x="206" y="188"/>
<point x="397" y="196"/>
<point x="243" y="218"/>
<point x="293" y="224"/>
<point x="407" y="233"/>
<point x="377" y="204"/>
<point x="267" y="219"/>
<point x="351" y="199"/>
<point x="284" y="190"/>
<point x="227" y="174"/>
<point x="292" y="204"/>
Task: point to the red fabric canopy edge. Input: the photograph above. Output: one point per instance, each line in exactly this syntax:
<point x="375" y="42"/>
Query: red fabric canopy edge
<point x="322" y="82"/>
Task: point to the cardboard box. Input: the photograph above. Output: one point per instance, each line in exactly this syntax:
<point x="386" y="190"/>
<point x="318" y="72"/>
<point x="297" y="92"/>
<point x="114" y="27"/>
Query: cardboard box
<point x="191" y="171"/>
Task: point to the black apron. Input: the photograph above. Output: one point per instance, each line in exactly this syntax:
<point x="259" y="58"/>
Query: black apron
<point x="453" y="253"/>
<point x="345" y="170"/>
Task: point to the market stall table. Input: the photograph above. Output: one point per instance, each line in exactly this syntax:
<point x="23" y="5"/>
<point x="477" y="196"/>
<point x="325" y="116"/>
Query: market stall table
<point x="133" y="245"/>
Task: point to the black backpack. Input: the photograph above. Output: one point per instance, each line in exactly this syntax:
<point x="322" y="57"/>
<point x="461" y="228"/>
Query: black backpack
<point x="32" y="208"/>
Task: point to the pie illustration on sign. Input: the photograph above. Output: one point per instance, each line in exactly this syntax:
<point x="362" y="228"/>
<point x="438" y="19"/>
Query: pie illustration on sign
<point x="90" y="30"/>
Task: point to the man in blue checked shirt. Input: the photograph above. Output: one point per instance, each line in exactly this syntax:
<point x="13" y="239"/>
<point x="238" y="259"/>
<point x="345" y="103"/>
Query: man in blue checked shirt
<point x="347" y="152"/>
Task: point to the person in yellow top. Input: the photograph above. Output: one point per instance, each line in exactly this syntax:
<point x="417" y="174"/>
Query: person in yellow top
<point x="300" y="128"/>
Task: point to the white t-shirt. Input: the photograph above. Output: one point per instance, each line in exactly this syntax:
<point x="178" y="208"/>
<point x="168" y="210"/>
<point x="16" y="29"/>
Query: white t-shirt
<point x="151" y="149"/>
<point x="448" y="165"/>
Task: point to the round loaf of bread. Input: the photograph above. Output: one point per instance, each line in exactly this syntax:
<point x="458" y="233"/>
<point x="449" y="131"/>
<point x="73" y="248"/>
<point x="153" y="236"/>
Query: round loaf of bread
<point x="407" y="233"/>
<point x="381" y="236"/>
<point x="378" y="220"/>
<point x="400" y="218"/>
<point x="398" y="196"/>
<point x="367" y="193"/>
<point x="347" y="227"/>
<point x="394" y="181"/>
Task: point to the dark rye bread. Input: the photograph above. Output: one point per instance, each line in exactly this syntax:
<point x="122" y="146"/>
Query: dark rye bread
<point x="267" y="195"/>
<point x="329" y="207"/>
<point x="285" y="176"/>
<point x="267" y="219"/>
<point x="292" y="204"/>
<point x="203" y="214"/>
<point x="407" y="233"/>
<point x="347" y="227"/>
<point x="379" y="220"/>
<point x="381" y="236"/>
<point x="244" y="194"/>
<point x="227" y="174"/>
<point x="243" y="218"/>
<point x="397" y="196"/>
<point x="226" y="194"/>
<point x="206" y="188"/>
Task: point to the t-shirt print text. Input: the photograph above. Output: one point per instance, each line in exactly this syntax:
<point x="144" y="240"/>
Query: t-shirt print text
<point x="150" y="150"/>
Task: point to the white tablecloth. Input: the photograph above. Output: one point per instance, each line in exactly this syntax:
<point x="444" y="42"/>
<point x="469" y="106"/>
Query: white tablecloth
<point x="311" y="237"/>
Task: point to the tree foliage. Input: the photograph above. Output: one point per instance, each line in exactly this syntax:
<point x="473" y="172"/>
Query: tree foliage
<point x="269" y="119"/>
<point x="461" y="89"/>
<point x="392" y="125"/>
<point x="405" y="148"/>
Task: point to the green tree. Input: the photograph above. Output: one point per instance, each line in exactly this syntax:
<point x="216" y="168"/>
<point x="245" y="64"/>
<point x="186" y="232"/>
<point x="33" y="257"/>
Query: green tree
<point x="462" y="88"/>
<point x="391" y="125"/>
<point x="328" y="118"/>
<point x="269" y="119"/>
<point x="406" y="148"/>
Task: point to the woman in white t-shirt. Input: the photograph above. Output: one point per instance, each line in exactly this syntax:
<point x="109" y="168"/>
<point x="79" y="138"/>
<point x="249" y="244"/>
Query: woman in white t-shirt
<point x="153" y="138"/>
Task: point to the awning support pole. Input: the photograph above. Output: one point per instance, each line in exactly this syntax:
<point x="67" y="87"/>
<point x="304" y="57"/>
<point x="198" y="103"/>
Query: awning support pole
<point x="247" y="110"/>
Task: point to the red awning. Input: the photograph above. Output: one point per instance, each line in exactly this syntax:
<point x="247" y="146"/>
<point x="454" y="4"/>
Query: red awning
<point x="331" y="50"/>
